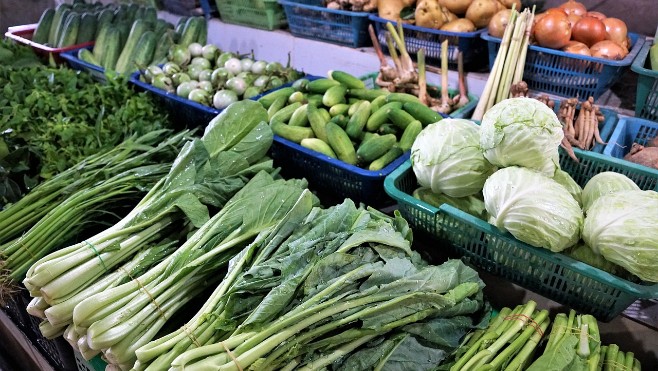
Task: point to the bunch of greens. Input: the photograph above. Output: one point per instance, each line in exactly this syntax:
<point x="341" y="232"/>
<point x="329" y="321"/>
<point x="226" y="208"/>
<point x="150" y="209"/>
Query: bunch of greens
<point x="53" y="118"/>
<point x="81" y="198"/>
<point x="16" y="55"/>
<point x="205" y="175"/>
<point x="337" y="287"/>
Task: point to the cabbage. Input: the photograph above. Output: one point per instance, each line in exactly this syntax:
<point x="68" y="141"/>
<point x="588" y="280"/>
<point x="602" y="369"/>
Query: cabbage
<point x="567" y="182"/>
<point x="446" y="158"/>
<point x="621" y="226"/>
<point x="605" y="183"/>
<point x="472" y="204"/>
<point x="533" y="208"/>
<point x="584" y="253"/>
<point x="522" y="132"/>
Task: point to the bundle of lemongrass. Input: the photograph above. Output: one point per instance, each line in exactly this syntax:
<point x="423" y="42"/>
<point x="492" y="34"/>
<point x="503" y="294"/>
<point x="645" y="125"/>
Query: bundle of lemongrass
<point x="509" y="63"/>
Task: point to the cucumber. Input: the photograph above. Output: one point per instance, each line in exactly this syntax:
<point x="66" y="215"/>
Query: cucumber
<point x="40" y="34"/>
<point x="191" y="31"/>
<point x="367" y="94"/>
<point x="165" y="42"/>
<point x="341" y="120"/>
<point x="325" y="114"/>
<point x="86" y="55"/>
<point x="99" y="45"/>
<point x="388" y="128"/>
<point x="334" y="95"/>
<point x="347" y="80"/>
<point x="317" y="121"/>
<point x="339" y="109"/>
<point x="180" y="25"/>
<point x="315" y="99"/>
<point x="340" y="143"/>
<point x="358" y="120"/>
<point x="409" y="135"/>
<point x="105" y="16"/>
<point x="278" y="103"/>
<point x="318" y="145"/>
<point x="400" y="117"/>
<point x="300" y="116"/>
<point x="143" y="54"/>
<point x="292" y="133"/>
<point x="125" y="61"/>
<point x="58" y="24"/>
<point x="150" y="14"/>
<point x="268" y="99"/>
<point x="376" y="103"/>
<point x="202" y="35"/>
<point x="112" y="49"/>
<point x="70" y="31"/>
<point x="87" y="30"/>
<point x="285" y="113"/>
<point x="381" y="115"/>
<point x="386" y="159"/>
<point x="375" y="147"/>
<point x="422" y="113"/>
<point x="297" y="96"/>
<point x="320" y="86"/>
<point x="402" y="97"/>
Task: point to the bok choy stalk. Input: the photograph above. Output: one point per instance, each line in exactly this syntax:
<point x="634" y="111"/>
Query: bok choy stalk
<point x="150" y="148"/>
<point x="206" y="172"/>
<point x="152" y="298"/>
<point x="83" y="208"/>
<point x="364" y="289"/>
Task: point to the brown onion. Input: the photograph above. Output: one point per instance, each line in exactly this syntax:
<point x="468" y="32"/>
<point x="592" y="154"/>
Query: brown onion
<point x="576" y="47"/>
<point x="573" y="19"/>
<point x="552" y="31"/>
<point x="616" y="30"/>
<point x="498" y="23"/>
<point x="555" y="10"/>
<point x="509" y="3"/>
<point x="609" y="50"/>
<point x="588" y="30"/>
<point x="574" y="7"/>
<point x="597" y="15"/>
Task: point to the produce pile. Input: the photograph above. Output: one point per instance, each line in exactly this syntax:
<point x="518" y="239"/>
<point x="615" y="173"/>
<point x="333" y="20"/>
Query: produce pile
<point x="207" y="75"/>
<point x="503" y="162"/>
<point x="131" y="45"/>
<point x="340" y="118"/>
<point x="52" y="118"/>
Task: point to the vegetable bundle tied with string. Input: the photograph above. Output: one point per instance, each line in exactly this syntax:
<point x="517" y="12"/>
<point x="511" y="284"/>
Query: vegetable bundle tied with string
<point x="326" y="287"/>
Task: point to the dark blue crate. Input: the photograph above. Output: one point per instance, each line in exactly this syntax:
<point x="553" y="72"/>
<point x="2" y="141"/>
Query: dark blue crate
<point x="96" y="72"/>
<point x="469" y="43"/>
<point x="311" y="20"/>
<point x="566" y="74"/>
<point x="631" y="130"/>
<point x="333" y="176"/>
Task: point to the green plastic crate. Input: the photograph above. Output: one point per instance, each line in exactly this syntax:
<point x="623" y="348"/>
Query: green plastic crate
<point x="646" y="100"/>
<point x="264" y="14"/>
<point x="463" y="112"/>
<point x="554" y="275"/>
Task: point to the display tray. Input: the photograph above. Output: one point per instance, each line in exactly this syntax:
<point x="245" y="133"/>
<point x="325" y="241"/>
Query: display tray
<point x="96" y="72"/>
<point x="553" y="275"/>
<point x="566" y="74"/>
<point x="23" y="34"/>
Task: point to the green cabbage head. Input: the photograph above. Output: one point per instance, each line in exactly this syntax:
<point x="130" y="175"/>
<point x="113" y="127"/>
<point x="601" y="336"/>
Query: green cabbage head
<point x="533" y="208"/>
<point x="522" y="132"/>
<point x="605" y="183"/>
<point x="446" y="158"/>
<point x="623" y="227"/>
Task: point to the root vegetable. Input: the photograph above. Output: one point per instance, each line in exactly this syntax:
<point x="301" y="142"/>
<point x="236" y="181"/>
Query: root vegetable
<point x="573" y="7"/>
<point x="597" y="15"/>
<point x="511" y="3"/>
<point x="461" y="99"/>
<point x="653" y="142"/>
<point x="566" y="144"/>
<point x="459" y="25"/>
<point x="498" y="22"/>
<point x="553" y="30"/>
<point x="647" y="156"/>
<point x="386" y="72"/>
<point x="456" y="6"/>
<point x="428" y="14"/>
<point x="589" y="31"/>
<point x="609" y="50"/>
<point x="390" y="9"/>
<point x="519" y="89"/>
<point x="480" y="12"/>
<point x="616" y="30"/>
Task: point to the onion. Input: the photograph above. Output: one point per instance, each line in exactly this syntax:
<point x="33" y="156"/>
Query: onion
<point x="574" y="7"/>
<point x="598" y="15"/>
<point x="609" y="50"/>
<point x="555" y="10"/>
<point x="588" y="30"/>
<point x="616" y="31"/>
<point x="576" y="47"/>
<point x="553" y="31"/>
<point x="573" y="19"/>
<point x="498" y="23"/>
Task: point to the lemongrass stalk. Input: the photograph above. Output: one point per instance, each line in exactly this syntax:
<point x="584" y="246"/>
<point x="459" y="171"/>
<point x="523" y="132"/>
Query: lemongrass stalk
<point x="512" y="57"/>
<point x="394" y="53"/>
<point x="620" y="361"/>
<point x="604" y="352"/>
<point x="524" y="356"/>
<point x="611" y="357"/>
<point x="321" y="363"/>
<point x="514" y="347"/>
<point x="520" y="66"/>
<point x="630" y="359"/>
<point x="488" y="93"/>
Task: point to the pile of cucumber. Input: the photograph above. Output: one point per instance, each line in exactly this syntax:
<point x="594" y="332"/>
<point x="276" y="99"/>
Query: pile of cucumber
<point x="339" y="117"/>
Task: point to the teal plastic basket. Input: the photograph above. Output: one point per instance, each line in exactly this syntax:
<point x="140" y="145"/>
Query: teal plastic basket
<point x="553" y="275"/>
<point x="263" y="14"/>
<point x="566" y="74"/>
<point x="312" y="20"/>
<point x="646" y="100"/>
<point x="631" y="130"/>
<point x="463" y="112"/>
<point x="606" y="127"/>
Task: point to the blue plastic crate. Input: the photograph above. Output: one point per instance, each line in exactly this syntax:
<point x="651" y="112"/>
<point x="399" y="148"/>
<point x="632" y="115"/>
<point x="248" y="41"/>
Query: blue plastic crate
<point x="470" y="44"/>
<point x="606" y="127"/>
<point x="96" y="72"/>
<point x="646" y="101"/>
<point x="631" y="130"/>
<point x="566" y="74"/>
<point x="310" y="19"/>
<point x="333" y="176"/>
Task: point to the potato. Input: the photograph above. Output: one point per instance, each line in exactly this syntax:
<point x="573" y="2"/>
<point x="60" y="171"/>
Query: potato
<point x="647" y="156"/>
<point x="456" y="6"/>
<point x="459" y="25"/>
<point x="390" y="9"/>
<point x="508" y="4"/>
<point x="480" y="12"/>
<point x="428" y="14"/>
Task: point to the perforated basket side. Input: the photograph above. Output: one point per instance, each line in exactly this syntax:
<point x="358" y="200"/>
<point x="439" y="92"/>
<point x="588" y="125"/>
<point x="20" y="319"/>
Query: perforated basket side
<point x="264" y="14"/>
<point x="631" y="130"/>
<point x="96" y="72"/>
<point x="646" y="100"/>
